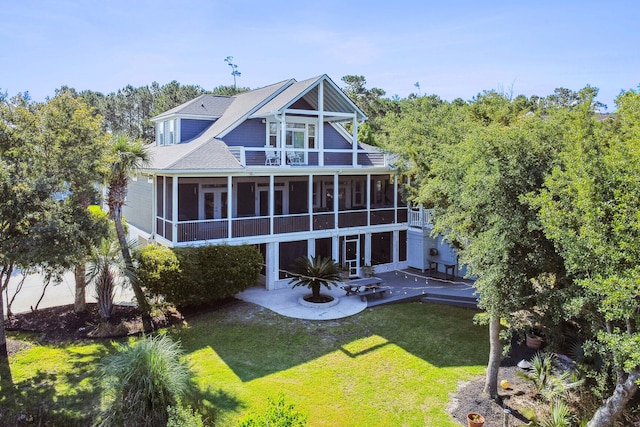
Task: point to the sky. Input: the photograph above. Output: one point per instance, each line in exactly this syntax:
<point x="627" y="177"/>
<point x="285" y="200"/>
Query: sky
<point x="453" y="49"/>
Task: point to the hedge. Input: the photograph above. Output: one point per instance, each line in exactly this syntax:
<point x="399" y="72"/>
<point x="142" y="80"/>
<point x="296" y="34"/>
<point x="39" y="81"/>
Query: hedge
<point x="206" y="274"/>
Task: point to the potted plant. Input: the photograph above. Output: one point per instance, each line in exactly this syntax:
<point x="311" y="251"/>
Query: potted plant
<point x="475" y="420"/>
<point x="368" y="271"/>
<point x="344" y="272"/>
<point x="533" y="340"/>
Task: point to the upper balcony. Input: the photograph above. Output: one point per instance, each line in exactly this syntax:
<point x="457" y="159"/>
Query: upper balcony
<point x="279" y="157"/>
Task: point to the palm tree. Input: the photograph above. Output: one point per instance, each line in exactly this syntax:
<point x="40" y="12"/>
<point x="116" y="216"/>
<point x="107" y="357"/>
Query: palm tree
<point x="106" y="270"/>
<point x="127" y="156"/>
<point x="315" y="272"/>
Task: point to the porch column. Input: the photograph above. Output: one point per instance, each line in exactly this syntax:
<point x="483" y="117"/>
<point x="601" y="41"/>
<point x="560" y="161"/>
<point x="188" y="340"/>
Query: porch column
<point x="283" y="140"/>
<point x="395" y="199"/>
<point x="310" y="198"/>
<point x="272" y="197"/>
<point x="154" y="207"/>
<point x="271" y="265"/>
<point x="311" y="247"/>
<point x="367" y="249"/>
<point x="368" y="199"/>
<point x="229" y="206"/>
<point x="336" y="193"/>
<point x="396" y="248"/>
<point x="354" y="142"/>
<point x="174" y="213"/>
<point x="320" y="126"/>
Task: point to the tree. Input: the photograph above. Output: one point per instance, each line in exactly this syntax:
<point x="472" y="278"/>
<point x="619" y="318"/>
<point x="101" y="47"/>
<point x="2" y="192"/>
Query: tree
<point x="474" y="163"/>
<point x="127" y="156"/>
<point x="106" y="270"/>
<point x="590" y="210"/>
<point x="234" y="69"/>
<point x="371" y="102"/>
<point x="73" y="136"/>
<point x="35" y="228"/>
<point x="314" y="273"/>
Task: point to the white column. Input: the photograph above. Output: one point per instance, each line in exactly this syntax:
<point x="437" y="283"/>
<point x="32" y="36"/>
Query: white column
<point x="354" y="143"/>
<point x="174" y="209"/>
<point x="368" y="199"/>
<point x="320" y="126"/>
<point x="229" y="206"/>
<point x="336" y="193"/>
<point x="271" y="265"/>
<point x="367" y="249"/>
<point x="154" y="206"/>
<point x="396" y="249"/>
<point x="272" y="197"/>
<point x="310" y="198"/>
<point x="283" y="140"/>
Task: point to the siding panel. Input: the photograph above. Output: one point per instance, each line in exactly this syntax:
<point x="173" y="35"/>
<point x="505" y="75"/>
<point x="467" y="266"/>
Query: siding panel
<point x="190" y="128"/>
<point x="251" y="133"/>
<point x="138" y="208"/>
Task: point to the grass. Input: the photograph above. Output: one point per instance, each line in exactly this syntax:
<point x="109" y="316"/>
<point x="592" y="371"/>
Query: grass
<point x="391" y="365"/>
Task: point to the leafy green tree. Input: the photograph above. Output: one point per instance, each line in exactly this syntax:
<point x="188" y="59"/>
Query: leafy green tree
<point x="590" y="210"/>
<point x="73" y="138"/>
<point x="127" y="156"/>
<point x="24" y="189"/>
<point x="474" y="163"/>
<point x="314" y="273"/>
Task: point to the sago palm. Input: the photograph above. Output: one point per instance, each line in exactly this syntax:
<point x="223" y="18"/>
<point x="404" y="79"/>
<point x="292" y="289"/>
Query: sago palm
<point x="314" y="273"/>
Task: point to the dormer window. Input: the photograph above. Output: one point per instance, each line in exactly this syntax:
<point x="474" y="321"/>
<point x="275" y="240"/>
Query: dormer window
<point x="167" y="132"/>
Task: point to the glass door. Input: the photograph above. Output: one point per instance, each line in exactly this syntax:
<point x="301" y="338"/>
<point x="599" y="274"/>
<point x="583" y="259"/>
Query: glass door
<point x="351" y="254"/>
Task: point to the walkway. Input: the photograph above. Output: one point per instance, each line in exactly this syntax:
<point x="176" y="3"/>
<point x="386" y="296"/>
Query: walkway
<point x="402" y="286"/>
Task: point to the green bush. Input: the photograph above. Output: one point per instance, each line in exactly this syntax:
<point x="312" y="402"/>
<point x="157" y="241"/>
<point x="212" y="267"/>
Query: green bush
<point x="278" y="414"/>
<point x="141" y="381"/>
<point x="214" y="273"/>
<point x="158" y="270"/>
<point x="198" y="275"/>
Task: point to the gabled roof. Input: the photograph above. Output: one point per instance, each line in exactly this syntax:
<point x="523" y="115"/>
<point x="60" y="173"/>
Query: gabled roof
<point x="205" y="105"/>
<point x="334" y="99"/>
<point x="207" y="151"/>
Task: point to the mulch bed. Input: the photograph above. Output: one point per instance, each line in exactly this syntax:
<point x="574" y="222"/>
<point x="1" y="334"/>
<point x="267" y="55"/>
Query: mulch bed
<point x="57" y="324"/>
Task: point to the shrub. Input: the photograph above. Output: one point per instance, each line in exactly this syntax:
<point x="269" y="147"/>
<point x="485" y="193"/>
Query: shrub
<point x="198" y="275"/>
<point x="142" y="380"/>
<point x="278" y="414"/>
<point x="214" y="273"/>
<point x="158" y="270"/>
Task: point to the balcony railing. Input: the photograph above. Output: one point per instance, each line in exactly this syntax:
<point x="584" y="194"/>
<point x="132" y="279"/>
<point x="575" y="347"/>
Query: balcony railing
<point x="270" y="156"/>
<point x="420" y="217"/>
<point x="218" y="229"/>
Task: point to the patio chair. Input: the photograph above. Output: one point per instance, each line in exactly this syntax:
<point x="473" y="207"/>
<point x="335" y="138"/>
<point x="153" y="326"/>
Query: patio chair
<point x="271" y="158"/>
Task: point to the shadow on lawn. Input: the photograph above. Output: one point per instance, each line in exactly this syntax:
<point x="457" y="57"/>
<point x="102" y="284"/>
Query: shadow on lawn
<point x="35" y="401"/>
<point x="255" y="342"/>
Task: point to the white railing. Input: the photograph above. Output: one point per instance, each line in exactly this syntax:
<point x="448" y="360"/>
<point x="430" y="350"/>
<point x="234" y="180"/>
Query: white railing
<point x="272" y="156"/>
<point x="420" y="217"/>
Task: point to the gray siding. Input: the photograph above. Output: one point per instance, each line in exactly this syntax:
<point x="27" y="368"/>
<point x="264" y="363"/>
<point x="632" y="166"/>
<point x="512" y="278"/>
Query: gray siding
<point x="138" y="206"/>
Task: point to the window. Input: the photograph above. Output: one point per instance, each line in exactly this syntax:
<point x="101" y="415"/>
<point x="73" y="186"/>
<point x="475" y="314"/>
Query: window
<point x="167" y="132"/>
<point x="273" y="134"/>
<point x="300" y="133"/>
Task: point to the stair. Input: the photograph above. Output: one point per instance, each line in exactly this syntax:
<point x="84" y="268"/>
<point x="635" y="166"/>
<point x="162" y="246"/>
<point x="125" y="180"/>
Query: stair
<point x="457" y="300"/>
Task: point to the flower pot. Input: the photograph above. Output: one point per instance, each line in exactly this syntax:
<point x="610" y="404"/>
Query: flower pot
<point x="534" y="341"/>
<point x="475" y="420"/>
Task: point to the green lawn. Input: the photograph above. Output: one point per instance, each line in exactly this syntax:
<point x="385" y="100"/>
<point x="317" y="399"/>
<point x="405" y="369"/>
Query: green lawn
<point x="391" y="365"/>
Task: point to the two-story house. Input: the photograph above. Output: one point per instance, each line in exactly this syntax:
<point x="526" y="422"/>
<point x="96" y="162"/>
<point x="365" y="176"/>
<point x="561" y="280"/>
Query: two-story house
<point x="277" y="168"/>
